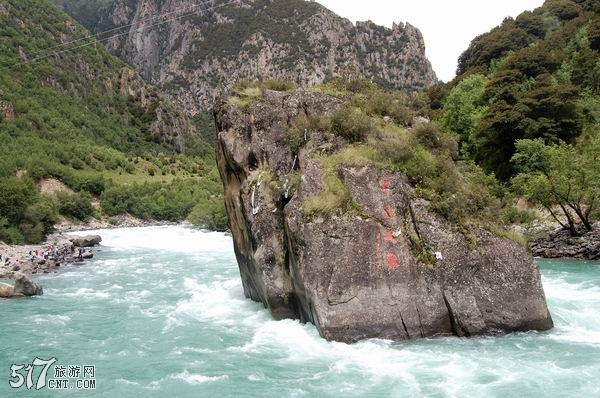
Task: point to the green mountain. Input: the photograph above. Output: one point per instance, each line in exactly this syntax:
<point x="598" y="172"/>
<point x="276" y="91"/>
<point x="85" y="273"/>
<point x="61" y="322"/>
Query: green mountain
<point x="526" y="106"/>
<point x="72" y="111"/>
<point x="535" y="76"/>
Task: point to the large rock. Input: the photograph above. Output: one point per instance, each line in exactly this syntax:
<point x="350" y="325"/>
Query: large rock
<point x="86" y="241"/>
<point x="357" y="275"/>
<point x="23" y="287"/>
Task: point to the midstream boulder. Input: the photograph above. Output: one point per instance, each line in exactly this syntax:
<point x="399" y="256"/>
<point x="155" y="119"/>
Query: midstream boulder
<point x="357" y="275"/>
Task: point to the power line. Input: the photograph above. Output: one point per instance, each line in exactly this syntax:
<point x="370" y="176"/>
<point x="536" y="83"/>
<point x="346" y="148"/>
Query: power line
<point x="115" y="36"/>
<point x="117" y="28"/>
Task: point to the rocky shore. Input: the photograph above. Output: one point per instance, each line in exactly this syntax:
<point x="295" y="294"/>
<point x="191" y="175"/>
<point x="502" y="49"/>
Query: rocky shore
<point x="560" y="244"/>
<point x="58" y="251"/>
<point x="120" y="221"/>
<point x="62" y="247"/>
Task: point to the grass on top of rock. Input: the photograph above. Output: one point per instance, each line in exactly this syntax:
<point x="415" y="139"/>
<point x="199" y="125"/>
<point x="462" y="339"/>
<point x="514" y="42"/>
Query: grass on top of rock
<point x="458" y="190"/>
<point x="247" y="91"/>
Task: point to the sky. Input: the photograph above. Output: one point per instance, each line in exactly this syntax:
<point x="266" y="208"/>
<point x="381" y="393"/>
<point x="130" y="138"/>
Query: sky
<point x="448" y="26"/>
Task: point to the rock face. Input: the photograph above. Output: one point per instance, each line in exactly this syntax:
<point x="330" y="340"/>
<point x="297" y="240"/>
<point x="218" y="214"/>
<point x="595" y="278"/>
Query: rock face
<point x="357" y="276"/>
<point x="202" y="48"/>
<point x="86" y="241"/>
<point x="23" y="287"/>
<point x="560" y="244"/>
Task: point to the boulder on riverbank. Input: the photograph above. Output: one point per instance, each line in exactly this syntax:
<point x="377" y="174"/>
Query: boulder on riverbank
<point x="391" y="269"/>
<point x="23" y="287"/>
<point x="561" y="244"/>
<point x="86" y="241"/>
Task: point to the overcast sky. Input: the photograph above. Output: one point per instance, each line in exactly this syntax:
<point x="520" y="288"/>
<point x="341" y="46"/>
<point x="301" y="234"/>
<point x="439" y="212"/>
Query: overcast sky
<point x="448" y="26"/>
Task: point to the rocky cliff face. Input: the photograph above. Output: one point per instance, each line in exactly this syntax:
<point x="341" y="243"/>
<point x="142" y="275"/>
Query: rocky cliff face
<point x="166" y="123"/>
<point x="197" y="51"/>
<point x="357" y="274"/>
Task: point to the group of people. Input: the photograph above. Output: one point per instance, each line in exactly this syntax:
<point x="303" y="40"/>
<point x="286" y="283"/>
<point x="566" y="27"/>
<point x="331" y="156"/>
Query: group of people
<point x="54" y="253"/>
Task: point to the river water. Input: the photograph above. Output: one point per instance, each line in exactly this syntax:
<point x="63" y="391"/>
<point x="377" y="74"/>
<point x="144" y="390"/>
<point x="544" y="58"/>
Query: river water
<point x="160" y="312"/>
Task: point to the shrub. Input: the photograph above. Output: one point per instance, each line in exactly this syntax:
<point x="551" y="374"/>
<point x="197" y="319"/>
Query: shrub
<point x="513" y="215"/>
<point x="243" y="104"/>
<point x="93" y="183"/>
<point x="210" y="213"/>
<point x="39" y="220"/>
<point x="279" y="85"/>
<point x="77" y="206"/>
<point x="432" y="138"/>
<point x="380" y="103"/>
<point x="352" y="124"/>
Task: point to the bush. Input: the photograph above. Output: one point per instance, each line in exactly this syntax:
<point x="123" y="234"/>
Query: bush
<point x="76" y="206"/>
<point x="432" y="138"/>
<point x="352" y="124"/>
<point x="210" y="213"/>
<point x="279" y="85"/>
<point x="512" y="215"/>
<point x="39" y="220"/>
<point x="380" y="103"/>
<point x="305" y="124"/>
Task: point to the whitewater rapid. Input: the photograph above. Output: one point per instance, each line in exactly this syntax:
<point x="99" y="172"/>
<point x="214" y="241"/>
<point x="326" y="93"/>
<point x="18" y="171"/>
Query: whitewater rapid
<point x="161" y="312"/>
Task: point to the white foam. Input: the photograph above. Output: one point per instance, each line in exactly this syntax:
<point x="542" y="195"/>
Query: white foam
<point x="179" y="239"/>
<point x="220" y="302"/>
<point x="48" y="318"/>
<point x="193" y="378"/>
<point x="82" y="292"/>
<point x="557" y="288"/>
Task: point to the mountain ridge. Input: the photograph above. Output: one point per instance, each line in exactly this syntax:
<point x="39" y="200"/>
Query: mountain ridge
<point x="260" y="39"/>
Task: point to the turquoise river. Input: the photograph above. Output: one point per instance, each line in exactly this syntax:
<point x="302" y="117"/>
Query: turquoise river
<point x="160" y="312"/>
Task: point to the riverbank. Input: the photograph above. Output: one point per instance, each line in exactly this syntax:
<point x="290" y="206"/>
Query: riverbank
<point x="58" y="251"/>
<point x="120" y="221"/>
<point x="560" y="244"/>
<point x="49" y="257"/>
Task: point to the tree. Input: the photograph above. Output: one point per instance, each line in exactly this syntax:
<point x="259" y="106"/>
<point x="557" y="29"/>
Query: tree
<point x="464" y="108"/>
<point x="524" y="109"/>
<point x="559" y="176"/>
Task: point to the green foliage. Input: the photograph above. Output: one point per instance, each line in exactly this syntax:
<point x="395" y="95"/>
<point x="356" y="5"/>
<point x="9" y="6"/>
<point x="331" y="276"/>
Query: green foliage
<point x="351" y="123"/>
<point x="542" y="110"/>
<point x="526" y="79"/>
<point x="334" y="197"/>
<point x="560" y="176"/>
<point x="171" y="201"/>
<point x="76" y="206"/>
<point x="68" y="117"/>
<point x="422" y="251"/>
<point x="210" y="213"/>
<point x="270" y="84"/>
<point x="381" y="103"/>
<point x="464" y="108"/>
<point x="25" y="215"/>
<point x="39" y="220"/>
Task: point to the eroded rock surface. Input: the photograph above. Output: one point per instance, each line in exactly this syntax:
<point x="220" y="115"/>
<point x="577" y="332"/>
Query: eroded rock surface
<point x="86" y="241"/>
<point x="356" y="275"/>
<point x="23" y="287"/>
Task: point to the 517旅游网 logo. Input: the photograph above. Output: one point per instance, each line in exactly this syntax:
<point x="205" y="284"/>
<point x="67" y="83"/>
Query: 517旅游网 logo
<point x="36" y="374"/>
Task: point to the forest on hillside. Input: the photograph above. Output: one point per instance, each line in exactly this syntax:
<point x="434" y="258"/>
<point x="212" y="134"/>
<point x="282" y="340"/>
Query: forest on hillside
<point x="526" y="107"/>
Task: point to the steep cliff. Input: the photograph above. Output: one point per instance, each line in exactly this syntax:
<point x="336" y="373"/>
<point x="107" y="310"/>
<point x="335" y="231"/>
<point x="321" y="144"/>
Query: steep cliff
<point x="375" y="260"/>
<point x="197" y="51"/>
